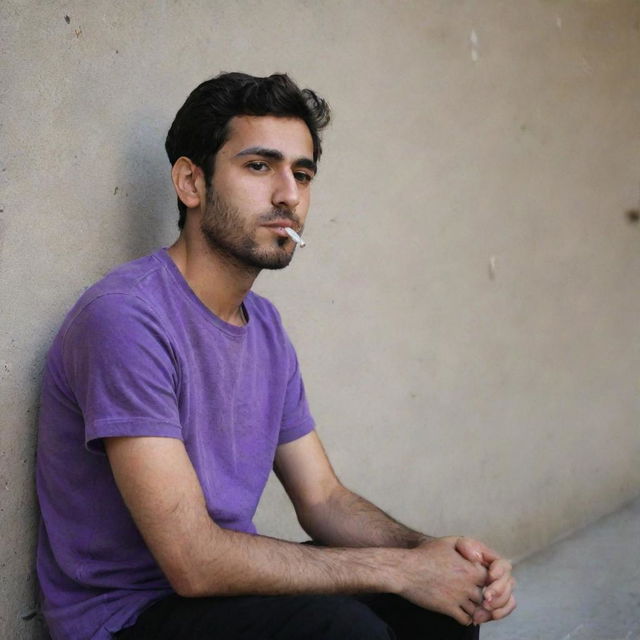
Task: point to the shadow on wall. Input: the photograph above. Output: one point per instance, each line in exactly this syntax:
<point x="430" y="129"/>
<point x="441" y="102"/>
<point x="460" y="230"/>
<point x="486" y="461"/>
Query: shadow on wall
<point x="140" y="217"/>
<point x="151" y="214"/>
<point x="32" y="616"/>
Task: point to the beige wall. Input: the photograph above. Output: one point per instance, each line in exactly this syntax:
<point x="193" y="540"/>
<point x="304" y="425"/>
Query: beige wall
<point x="466" y="312"/>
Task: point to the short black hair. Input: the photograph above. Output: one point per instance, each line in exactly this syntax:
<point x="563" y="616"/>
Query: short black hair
<point x="201" y="126"/>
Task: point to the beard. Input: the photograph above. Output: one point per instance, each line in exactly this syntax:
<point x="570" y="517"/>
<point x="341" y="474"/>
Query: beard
<point x="224" y="229"/>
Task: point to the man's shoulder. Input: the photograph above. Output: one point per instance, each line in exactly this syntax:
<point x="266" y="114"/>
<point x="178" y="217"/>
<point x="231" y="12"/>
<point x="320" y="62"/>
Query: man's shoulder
<point x="134" y="284"/>
<point x="129" y="278"/>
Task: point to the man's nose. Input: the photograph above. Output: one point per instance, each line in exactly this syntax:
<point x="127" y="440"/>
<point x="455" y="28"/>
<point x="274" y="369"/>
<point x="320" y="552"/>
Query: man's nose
<point x="286" y="192"/>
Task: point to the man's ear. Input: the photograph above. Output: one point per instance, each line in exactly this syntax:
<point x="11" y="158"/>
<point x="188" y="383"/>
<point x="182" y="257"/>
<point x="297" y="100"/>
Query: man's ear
<point x="188" y="181"/>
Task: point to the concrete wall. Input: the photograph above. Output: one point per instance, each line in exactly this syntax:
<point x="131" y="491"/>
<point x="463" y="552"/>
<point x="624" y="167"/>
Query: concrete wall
<point x="466" y="312"/>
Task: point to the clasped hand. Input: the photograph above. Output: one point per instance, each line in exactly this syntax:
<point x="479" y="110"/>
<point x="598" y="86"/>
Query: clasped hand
<point x="462" y="578"/>
<point x="497" y="593"/>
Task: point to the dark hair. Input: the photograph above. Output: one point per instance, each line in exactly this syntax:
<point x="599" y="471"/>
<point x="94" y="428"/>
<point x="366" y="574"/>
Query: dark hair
<point x="201" y="126"/>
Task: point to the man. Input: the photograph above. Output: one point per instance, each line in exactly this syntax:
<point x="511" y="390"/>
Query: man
<point x="170" y="393"/>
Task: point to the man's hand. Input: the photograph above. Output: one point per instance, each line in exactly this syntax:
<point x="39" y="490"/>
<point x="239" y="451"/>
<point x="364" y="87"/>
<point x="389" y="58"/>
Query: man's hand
<point x="498" y="600"/>
<point x="436" y="577"/>
<point x="334" y="516"/>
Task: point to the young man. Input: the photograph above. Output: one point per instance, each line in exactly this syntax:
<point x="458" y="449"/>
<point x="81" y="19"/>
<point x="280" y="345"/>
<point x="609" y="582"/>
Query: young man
<point x="172" y="390"/>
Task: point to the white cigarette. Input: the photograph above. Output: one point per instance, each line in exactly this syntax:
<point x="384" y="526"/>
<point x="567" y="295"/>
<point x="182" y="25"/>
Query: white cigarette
<point x="295" y="237"/>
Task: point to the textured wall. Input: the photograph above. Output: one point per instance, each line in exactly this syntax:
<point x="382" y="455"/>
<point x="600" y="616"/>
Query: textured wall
<point x="466" y="312"/>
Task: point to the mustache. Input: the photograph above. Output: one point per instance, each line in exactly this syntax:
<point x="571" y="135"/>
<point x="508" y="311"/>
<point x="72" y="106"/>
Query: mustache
<point x="281" y="214"/>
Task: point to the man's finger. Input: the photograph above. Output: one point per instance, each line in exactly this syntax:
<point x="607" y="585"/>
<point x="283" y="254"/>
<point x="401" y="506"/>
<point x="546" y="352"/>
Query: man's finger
<point x="496" y="587"/>
<point x="498" y="594"/>
<point x="461" y="616"/>
<point x="503" y="612"/>
<point x="482" y="575"/>
<point x="475" y="551"/>
<point x="469" y="607"/>
<point x="481" y="615"/>
<point x="499" y="568"/>
<point x="477" y="595"/>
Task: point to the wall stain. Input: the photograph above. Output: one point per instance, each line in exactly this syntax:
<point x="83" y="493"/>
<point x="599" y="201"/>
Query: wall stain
<point x="633" y="216"/>
<point x="492" y="267"/>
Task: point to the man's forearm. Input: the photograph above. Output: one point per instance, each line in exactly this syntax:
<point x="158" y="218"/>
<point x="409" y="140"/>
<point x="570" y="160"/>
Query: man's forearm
<point x="240" y="563"/>
<point x="348" y="520"/>
<point x="433" y="576"/>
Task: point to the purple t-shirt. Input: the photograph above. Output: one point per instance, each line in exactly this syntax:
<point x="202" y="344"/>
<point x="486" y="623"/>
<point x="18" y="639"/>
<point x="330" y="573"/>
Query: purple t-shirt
<point x="140" y="355"/>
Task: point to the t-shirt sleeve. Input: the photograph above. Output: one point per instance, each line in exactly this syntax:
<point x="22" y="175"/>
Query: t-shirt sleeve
<point x="297" y="420"/>
<point x="122" y="369"/>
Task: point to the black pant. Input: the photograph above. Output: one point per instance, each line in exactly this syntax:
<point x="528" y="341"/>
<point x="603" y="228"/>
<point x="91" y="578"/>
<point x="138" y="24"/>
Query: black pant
<point x="302" y="617"/>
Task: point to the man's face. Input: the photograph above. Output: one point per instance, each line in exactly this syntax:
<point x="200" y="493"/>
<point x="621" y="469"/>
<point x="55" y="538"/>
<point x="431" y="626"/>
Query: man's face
<point x="261" y="183"/>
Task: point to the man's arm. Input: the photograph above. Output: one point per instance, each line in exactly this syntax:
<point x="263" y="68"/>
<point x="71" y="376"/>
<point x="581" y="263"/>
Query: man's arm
<point x="329" y="512"/>
<point x="161" y="490"/>
<point x="333" y="515"/>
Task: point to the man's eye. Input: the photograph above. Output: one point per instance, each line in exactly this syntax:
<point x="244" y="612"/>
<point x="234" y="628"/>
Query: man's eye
<point x="258" y="165"/>
<point x="303" y="176"/>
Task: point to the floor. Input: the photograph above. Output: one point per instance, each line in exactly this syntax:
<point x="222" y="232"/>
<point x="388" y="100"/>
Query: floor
<point x="585" y="587"/>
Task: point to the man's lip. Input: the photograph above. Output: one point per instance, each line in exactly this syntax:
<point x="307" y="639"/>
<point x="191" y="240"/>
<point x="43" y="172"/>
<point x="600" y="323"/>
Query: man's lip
<point x="281" y="223"/>
<point x="278" y="230"/>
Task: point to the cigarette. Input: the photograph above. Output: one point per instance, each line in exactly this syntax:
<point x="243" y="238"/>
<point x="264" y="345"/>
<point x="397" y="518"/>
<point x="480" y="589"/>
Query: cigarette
<point x="295" y="237"/>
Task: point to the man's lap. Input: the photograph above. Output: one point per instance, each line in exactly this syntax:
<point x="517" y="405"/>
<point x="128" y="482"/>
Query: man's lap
<point x="293" y="617"/>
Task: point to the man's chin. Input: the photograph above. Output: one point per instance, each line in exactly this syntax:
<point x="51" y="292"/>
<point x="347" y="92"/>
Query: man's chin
<point x="272" y="258"/>
<point x="252" y="256"/>
<point x="273" y="262"/>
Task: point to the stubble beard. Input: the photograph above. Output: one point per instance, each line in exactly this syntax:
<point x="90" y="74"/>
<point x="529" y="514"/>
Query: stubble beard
<point x="223" y="227"/>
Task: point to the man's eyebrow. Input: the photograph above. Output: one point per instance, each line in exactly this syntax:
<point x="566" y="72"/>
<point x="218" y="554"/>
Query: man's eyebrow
<point x="306" y="163"/>
<point x="274" y="154"/>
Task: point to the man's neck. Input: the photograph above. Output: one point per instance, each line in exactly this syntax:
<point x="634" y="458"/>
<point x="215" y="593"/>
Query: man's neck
<point x="219" y="282"/>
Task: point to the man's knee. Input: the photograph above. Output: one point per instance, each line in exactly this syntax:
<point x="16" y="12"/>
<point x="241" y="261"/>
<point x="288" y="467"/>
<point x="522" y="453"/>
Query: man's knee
<point x="329" y="617"/>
